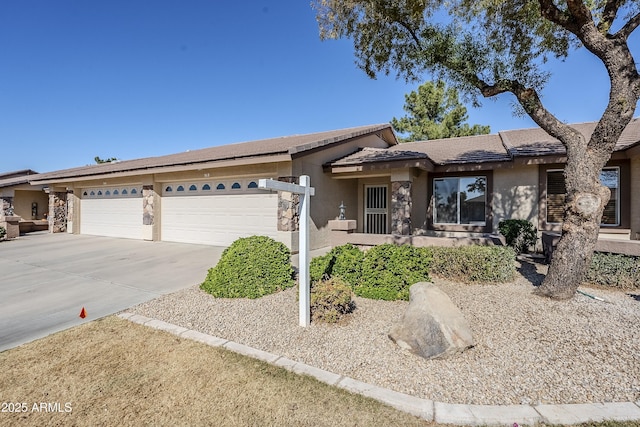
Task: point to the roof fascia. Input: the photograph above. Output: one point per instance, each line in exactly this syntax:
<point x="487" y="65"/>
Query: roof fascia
<point x="167" y="169"/>
<point x="423" y="164"/>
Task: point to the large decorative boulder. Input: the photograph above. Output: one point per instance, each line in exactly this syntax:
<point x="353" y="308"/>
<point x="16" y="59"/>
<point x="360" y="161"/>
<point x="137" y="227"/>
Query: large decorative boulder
<point x="432" y="326"/>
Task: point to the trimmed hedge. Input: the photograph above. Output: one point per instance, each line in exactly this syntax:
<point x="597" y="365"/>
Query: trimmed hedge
<point x="342" y="261"/>
<point x="250" y="268"/>
<point x="389" y="270"/>
<point x="469" y="264"/>
<point x="614" y="270"/>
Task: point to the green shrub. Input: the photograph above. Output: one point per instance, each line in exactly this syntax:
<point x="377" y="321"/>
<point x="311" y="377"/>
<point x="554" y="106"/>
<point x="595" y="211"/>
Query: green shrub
<point x="474" y="263"/>
<point x="331" y="299"/>
<point x="250" y="268"/>
<point x="520" y="234"/>
<point x="342" y="261"/>
<point x="389" y="270"/>
<point x="618" y="271"/>
<point x="3" y="232"/>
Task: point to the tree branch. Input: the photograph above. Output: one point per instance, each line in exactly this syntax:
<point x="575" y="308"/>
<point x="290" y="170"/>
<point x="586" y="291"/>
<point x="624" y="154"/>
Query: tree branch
<point x="550" y="11"/>
<point x="609" y="15"/>
<point x="629" y="27"/>
<point x="413" y="34"/>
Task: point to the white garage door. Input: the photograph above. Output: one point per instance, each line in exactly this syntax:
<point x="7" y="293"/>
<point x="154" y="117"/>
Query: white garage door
<point x="113" y="212"/>
<point x="217" y="213"/>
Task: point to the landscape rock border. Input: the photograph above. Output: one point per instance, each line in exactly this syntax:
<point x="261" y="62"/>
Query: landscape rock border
<point x="429" y="410"/>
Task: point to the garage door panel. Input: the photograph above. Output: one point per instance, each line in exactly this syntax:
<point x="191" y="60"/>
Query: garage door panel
<point x="218" y="219"/>
<point x="112" y="217"/>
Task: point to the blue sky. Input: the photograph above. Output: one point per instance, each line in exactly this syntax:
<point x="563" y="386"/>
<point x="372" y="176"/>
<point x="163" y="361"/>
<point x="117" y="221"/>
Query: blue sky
<point x="140" y="78"/>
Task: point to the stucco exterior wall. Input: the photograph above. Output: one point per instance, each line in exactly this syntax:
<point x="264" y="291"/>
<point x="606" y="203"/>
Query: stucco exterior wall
<point x="635" y="198"/>
<point x="515" y="194"/>
<point x="330" y="192"/>
<point x="23" y="200"/>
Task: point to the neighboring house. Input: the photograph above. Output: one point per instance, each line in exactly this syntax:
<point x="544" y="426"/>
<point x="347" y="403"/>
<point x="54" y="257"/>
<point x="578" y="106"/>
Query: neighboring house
<point x="458" y="187"/>
<point x="23" y="207"/>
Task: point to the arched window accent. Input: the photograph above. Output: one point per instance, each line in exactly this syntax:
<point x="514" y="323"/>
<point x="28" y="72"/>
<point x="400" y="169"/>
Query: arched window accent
<point x="252" y="184"/>
<point x="92" y="193"/>
<point x="107" y="193"/>
<point x="180" y="188"/>
<point x="85" y="194"/>
<point x="168" y="189"/>
<point x="220" y="186"/>
<point x="192" y="187"/>
<point x="124" y="191"/>
<point x="236" y="186"/>
<point x="99" y="192"/>
<point x="206" y="187"/>
<point x="116" y="192"/>
<point x="134" y="191"/>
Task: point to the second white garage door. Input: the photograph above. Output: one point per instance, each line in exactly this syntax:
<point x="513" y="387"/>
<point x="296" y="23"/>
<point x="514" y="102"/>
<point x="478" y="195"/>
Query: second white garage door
<point x="218" y="219"/>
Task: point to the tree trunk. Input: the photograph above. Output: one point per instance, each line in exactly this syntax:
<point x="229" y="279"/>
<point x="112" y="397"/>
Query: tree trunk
<point x="583" y="213"/>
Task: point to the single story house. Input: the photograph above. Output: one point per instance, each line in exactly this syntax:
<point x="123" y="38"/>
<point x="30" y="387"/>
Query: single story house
<point x="458" y="187"/>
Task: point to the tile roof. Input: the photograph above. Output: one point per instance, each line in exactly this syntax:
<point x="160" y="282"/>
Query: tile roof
<point x="8" y="179"/>
<point x="466" y="149"/>
<point x="289" y="145"/>
<point x="501" y="147"/>
<point x="536" y="142"/>
<point x="373" y="155"/>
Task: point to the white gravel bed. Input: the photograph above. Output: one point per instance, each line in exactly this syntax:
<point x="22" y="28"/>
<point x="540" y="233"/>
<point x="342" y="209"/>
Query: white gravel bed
<point x="529" y="350"/>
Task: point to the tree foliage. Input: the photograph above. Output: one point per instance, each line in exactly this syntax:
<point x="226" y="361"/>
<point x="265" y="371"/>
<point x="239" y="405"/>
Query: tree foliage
<point x="100" y="161"/>
<point x="490" y="47"/>
<point x="435" y="112"/>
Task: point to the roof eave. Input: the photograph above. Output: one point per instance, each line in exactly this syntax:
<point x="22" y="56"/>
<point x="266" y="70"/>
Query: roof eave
<point x="187" y="166"/>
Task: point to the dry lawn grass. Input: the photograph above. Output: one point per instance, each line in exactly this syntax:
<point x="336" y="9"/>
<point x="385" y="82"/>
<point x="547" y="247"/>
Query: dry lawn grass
<point x="113" y="372"/>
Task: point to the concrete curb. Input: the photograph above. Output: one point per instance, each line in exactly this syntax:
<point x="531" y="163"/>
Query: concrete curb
<point x="446" y="413"/>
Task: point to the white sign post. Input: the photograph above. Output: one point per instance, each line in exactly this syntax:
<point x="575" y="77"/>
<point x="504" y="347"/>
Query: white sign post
<point x="305" y="190"/>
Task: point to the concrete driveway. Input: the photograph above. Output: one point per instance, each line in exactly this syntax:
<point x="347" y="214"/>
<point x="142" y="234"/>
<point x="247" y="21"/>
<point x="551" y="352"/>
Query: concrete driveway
<point x="46" y="279"/>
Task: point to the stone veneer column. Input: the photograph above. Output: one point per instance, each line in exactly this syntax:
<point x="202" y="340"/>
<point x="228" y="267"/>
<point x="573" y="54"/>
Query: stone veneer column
<point x="401" y="207"/>
<point x="288" y="207"/>
<point x="57" y="212"/>
<point x="6" y="206"/>
<point x="148" y="211"/>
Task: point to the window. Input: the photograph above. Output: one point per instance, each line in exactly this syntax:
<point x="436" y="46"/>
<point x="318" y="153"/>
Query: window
<point x="236" y="186"/>
<point x="252" y="184"/>
<point x="107" y="193"/>
<point x="193" y="188"/>
<point x="610" y="177"/>
<point x="220" y="186"/>
<point x="555" y="196"/>
<point x="180" y="188"/>
<point x="134" y="191"/>
<point x="85" y="193"/>
<point x="168" y="189"/>
<point x="206" y="187"/>
<point x="124" y="191"/>
<point x="460" y="200"/>
<point x="99" y="193"/>
<point x="556" y="190"/>
<point x="115" y="192"/>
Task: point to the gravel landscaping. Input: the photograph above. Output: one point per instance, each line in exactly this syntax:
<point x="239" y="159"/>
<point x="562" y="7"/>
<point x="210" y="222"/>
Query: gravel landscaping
<point x="529" y="350"/>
